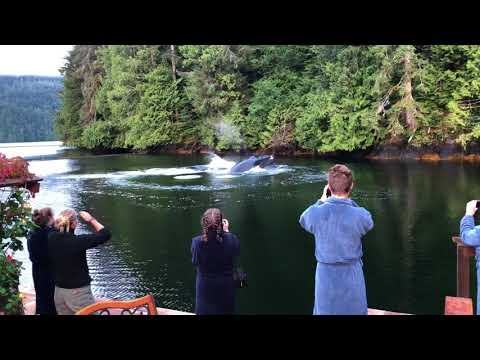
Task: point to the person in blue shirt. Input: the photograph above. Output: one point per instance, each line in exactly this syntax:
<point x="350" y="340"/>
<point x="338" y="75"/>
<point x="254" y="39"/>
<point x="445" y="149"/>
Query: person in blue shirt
<point x="338" y="224"/>
<point x="470" y="235"/>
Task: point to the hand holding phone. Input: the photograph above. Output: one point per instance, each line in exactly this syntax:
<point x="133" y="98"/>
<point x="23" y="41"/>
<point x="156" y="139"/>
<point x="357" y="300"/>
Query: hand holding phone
<point x="226" y="224"/>
<point x="472" y="207"/>
<point x="326" y="193"/>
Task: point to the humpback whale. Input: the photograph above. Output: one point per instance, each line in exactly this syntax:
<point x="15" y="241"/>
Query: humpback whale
<point x="251" y="162"/>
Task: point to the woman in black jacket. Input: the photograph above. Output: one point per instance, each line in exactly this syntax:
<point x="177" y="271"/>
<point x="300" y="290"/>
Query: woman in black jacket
<point x="37" y="244"/>
<point x="214" y="253"/>
<point x="69" y="260"/>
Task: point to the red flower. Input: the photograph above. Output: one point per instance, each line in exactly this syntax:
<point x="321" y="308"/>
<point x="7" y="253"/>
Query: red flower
<point x="11" y="260"/>
<point x="12" y="168"/>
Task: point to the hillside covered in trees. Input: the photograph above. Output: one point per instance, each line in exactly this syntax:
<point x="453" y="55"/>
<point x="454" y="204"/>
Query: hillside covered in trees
<point x="27" y="107"/>
<point x="315" y="98"/>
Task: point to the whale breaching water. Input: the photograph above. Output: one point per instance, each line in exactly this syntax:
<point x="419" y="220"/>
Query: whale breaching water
<point x="253" y="161"/>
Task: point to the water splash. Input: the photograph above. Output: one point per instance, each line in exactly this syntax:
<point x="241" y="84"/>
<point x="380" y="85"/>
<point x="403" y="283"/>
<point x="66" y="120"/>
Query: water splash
<point x="229" y="134"/>
<point x="269" y="170"/>
<point x="187" y="177"/>
<point x="217" y="163"/>
<point x="134" y="173"/>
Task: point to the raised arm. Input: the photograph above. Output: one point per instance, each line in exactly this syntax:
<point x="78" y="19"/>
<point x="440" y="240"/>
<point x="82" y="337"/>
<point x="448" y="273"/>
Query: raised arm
<point x="470" y="233"/>
<point x="367" y="222"/>
<point x="89" y="241"/>
<point x="91" y="220"/>
<point x="306" y="221"/>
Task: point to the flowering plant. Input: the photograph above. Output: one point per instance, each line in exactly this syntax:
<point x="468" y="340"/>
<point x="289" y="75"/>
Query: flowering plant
<point x="15" y="223"/>
<point x="15" y="167"/>
<point x="10" y="299"/>
<point x="15" y="219"/>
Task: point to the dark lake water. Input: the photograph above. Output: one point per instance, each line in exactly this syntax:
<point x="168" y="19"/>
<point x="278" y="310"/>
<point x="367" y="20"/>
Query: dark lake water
<point x="153" y="205"/>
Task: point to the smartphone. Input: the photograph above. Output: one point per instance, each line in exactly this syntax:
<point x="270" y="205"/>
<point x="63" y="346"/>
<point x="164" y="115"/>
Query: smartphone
<point x="478" y="204"/>
<point x="329" y="193"/>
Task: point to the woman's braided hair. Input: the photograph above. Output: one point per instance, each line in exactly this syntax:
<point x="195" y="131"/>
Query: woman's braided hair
<point x="212" y="224"/>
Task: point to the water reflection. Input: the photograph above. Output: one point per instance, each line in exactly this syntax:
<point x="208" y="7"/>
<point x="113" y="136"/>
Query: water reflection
<point x="409" y="260"/>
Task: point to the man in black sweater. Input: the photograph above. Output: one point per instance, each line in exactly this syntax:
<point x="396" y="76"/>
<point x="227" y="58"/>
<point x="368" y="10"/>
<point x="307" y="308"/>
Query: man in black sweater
<point x="68" y="257"/>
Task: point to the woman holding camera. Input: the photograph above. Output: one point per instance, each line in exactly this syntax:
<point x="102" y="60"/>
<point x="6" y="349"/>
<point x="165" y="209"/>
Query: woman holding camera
<point x="69" y="260"/>
<point x="214" y="253"/>
<point x="470" y="235"/>
<point x="37" y="244"/>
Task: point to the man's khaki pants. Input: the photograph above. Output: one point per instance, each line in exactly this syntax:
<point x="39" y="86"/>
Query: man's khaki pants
<point x="69" y="301"/>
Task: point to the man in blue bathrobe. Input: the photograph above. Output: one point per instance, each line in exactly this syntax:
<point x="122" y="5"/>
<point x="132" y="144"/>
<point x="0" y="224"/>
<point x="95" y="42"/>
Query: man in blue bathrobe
<point x="470" y="235"/>
<point x="338" y="224"/>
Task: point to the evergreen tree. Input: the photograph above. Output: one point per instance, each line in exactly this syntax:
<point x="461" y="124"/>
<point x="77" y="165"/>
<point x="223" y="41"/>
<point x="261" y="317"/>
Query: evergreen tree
<point x="27" y="107"/>
<point x="321" y="98"/>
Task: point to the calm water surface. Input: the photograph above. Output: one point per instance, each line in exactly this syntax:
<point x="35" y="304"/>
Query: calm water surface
<point x="153" y="205"/>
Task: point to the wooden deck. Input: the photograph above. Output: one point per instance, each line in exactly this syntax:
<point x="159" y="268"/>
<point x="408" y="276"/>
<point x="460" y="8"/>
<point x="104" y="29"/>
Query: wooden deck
<point x="29" y="306"/>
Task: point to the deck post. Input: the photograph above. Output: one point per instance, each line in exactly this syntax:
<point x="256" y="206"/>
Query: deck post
<point x="464" y="253"/>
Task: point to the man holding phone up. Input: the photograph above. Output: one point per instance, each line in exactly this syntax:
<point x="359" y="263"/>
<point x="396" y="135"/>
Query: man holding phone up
<point x="338" y="224"/>
<point x="470" y="235"/>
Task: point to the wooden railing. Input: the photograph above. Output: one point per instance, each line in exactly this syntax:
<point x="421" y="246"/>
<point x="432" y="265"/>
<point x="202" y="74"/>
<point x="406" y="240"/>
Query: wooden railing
<point x="464" y="253"/>
<point x="462" y="304"/>
<point x="32" y="184"/>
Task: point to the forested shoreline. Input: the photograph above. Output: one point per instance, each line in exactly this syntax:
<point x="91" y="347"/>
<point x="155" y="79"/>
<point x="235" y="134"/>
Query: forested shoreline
<point x="28" y="105"/>
<point x="286" y="98"/>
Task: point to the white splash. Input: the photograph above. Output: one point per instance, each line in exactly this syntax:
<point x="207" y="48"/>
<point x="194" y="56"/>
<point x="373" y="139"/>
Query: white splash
<point x="170" y="171"/>
<point x="218" y="167"/>
<point x="229" y="133"/>
<point x="217" y="163"/>
<point x="135" y="173"/>
<point x="227" y="176"/>
<point x="187" y="177"/>
<point x="278" y="169"/>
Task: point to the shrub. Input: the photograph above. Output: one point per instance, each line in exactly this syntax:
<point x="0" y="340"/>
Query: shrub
<point x="10" y="299"/>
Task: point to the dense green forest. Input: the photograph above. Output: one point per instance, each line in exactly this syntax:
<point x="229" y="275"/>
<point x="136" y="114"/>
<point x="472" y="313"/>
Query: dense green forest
<point x="27" y="107"/>
<point x="318" y="98"/>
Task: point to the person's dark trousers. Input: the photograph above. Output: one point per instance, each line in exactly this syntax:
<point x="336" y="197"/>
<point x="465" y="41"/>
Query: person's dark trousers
<point x="44" y="290"/>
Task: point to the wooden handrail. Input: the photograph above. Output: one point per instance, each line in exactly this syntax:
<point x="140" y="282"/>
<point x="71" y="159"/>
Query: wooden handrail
<point x="117" y="304"/>
<point x="19" y="181"/>
<point x="464" y="253"/>
<point x="31" y="184"/>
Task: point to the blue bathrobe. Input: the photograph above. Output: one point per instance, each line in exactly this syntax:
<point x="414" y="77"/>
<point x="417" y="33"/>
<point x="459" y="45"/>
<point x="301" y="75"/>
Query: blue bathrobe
<point x="338" y="225"/>
<point x="470" y="235"/>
